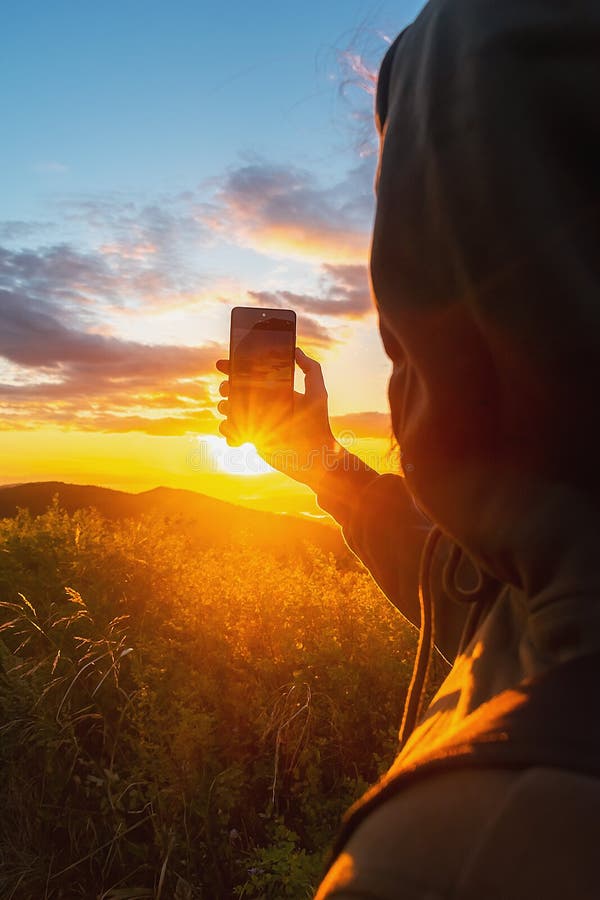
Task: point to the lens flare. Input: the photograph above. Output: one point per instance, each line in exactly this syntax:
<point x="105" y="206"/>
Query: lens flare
<point x="243" y="460"/>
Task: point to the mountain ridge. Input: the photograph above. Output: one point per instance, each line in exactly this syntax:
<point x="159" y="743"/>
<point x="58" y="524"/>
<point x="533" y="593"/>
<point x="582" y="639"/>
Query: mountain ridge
<point x="214" y="521"/>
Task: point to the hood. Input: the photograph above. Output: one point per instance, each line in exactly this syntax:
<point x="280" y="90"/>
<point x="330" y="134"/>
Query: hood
<point x="485" y="267"/>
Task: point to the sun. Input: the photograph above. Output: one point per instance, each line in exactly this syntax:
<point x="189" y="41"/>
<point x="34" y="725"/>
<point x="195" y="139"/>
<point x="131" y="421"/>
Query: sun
<point x="218" y="456"/>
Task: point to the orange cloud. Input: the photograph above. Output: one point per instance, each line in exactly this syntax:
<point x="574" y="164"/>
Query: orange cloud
<point x="129" y="251"/>
<point x="344" y="292"/>
<point x="201" y="422"/>
<point x="63" y="364"/>
<point x="284" y="210"/>
<point x="311" y="243"/>
<point x="62" y="373"/>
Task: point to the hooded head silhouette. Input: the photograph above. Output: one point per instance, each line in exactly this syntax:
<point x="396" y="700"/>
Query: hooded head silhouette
<point x="485" y="267"/>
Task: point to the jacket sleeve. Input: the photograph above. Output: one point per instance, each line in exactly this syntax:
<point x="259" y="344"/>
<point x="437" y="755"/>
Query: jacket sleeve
<point x="385" y="529"/>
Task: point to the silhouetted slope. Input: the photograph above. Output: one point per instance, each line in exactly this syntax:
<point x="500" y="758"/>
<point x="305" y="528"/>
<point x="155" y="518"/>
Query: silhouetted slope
<point x="212" y="521"/>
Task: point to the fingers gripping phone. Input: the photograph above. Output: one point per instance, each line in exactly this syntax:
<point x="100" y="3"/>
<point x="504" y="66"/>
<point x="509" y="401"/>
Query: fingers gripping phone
<point x="261" y="370"/>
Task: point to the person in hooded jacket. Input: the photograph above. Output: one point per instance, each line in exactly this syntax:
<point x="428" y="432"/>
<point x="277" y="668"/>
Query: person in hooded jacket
<point x="485" y="268"/>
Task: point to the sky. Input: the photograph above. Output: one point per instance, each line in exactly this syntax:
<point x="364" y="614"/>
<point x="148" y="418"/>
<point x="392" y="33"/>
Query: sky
<point x="161" y="163"/>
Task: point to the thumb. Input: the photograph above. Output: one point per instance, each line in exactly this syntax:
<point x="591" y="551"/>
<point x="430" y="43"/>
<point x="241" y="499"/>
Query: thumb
<point x="314" y="384"/>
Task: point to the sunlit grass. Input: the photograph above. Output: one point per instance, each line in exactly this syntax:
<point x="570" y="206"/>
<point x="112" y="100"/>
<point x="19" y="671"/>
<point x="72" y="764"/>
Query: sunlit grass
<point x="181" y="721"/>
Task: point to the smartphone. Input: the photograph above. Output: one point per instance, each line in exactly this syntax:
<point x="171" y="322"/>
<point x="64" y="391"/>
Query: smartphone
<point x="262" y="349"/>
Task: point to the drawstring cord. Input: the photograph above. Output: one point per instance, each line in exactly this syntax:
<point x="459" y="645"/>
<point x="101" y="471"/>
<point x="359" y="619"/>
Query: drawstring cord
<point x="449" y="583"/>
<point x="427" y="631"/>
<point x="426" y="638"/>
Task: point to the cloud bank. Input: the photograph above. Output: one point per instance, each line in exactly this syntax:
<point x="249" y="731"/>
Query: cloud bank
<point x="61" y="371"/>
<point x="63" y="361"/>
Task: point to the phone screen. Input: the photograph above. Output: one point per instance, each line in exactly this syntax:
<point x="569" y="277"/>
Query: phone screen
<point x="261" y="375"/>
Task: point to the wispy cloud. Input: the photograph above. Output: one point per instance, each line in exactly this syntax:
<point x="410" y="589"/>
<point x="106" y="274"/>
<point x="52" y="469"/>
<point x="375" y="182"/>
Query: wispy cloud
<point x="63" y="371"/>
<point x="90" y="282"/>
<point x="345" y="292"/>
<point x="201" y="421"/>
<point x="32" y="335"/>
<point x="66" y="306"/>
<point x="169" y="225"/>
<point x="129" y="253"/>
<point x="17" y="230"/>
<point x="60" y="273"/>
<point x="51" y="167"/>
<point x="286" y="211"/>
<point x="312" y="334"/>
<point x="156" y="251"/>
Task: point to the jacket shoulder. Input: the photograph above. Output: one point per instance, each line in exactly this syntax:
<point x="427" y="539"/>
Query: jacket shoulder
<point x="414" y="845"/>
<point x="474" y="834"/>
<point x="542" y="841"/>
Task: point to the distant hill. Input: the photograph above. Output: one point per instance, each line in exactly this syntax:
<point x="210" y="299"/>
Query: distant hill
<point x="212" y="521"/>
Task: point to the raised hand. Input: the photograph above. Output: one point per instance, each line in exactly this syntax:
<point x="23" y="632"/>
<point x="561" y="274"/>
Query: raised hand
<point x="303" y="447"/>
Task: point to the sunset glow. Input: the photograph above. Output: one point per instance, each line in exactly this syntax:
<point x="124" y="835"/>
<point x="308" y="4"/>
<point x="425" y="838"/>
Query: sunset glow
<point x="177" y="615"/>
<point x="243" y="460"/>
<point x="126" y="239"/>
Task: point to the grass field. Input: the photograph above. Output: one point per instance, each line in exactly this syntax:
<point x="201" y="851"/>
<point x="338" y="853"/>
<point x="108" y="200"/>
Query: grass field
<point x="179" y="720"/>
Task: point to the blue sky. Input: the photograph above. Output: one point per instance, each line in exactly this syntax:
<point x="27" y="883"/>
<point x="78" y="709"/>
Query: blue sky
<point x="160" y="163"/>
<point x="155" y="96"/>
